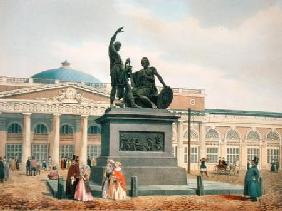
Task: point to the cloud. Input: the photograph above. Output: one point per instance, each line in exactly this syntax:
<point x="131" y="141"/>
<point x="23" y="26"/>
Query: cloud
<point x="233" y="58"/>
<point x="244" y="59"/>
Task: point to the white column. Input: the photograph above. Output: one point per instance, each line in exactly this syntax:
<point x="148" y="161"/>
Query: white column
<point x="84" y="139"/>
<point x="280" y="155"/>
<point x="202" y="153"/>
<point x="263" y="154"/>
<point x="55" y="146"/>
<point x="26" y="137"/>
<point x="180" y="149"/>
<point x="223" y="149"/>
<point x="3" y="137"/>
<point x="243" y="155"/>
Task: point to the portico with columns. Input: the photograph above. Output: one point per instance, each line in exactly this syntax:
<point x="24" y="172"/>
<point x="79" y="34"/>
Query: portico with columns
<point x="59" y="126"/>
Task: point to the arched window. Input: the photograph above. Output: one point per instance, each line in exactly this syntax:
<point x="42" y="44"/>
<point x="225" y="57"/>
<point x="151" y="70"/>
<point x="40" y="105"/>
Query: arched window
<point x="232" y="135"/>
<point x="194" y="134"/>
<point x="94" y="129"/>
<point x="212" y="134"/>
<point x="253" y="136"/>
<point x="273" y="136"/>
<point x="66" y="130"/>
<point x="15" y="128"/>
<point x="40" y="129"/>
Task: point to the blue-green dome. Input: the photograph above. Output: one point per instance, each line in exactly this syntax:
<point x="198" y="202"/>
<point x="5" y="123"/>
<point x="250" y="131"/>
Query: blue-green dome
<point x="65" y="73"/>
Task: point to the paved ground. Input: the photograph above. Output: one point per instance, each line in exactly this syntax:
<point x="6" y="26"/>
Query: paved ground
<point x="23" y="192"/>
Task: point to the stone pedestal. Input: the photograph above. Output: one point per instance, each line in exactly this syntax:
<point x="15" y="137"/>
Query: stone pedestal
<point x="141" y="140"/>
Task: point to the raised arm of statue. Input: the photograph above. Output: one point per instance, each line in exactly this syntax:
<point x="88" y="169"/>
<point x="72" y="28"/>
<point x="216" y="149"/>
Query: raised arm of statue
<point x="158" y="76"/>
<point x="113" y="38"/>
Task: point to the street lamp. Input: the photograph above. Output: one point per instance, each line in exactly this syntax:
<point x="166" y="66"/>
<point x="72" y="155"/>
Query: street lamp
<point x="189" y="141"/>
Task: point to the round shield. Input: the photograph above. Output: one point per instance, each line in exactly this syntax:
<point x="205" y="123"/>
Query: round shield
<point x="165" y="97"/>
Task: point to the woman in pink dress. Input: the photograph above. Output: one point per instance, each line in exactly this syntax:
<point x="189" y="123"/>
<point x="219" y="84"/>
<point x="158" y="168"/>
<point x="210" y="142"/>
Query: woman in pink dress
<point x="83" y="192"/>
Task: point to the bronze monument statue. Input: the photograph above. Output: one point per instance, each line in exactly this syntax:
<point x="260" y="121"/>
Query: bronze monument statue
<point x="144" y="93"/>
<point x="119" y="74"/>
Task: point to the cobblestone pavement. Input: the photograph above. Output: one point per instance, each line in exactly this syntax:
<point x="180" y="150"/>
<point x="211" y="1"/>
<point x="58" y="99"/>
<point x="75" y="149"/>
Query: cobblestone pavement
<point x="30" y="192"/>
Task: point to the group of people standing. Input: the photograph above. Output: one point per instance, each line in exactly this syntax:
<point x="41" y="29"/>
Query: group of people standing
<point x="6" y="166"/>
<point x="32" y="167"/>
<point x="77" y="182"/>
<point x="65" y="163"/>
<point x="114" y="184"/>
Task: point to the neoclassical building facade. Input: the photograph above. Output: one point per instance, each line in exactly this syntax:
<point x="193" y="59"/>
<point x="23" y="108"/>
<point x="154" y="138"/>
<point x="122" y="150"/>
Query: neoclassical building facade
<point x="236" y="136"/>
<point x="55" y="117"/>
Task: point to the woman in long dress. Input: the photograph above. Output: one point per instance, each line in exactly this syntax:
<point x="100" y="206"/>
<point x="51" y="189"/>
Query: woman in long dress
<point x="13" y="164"/>
<point x="107" y="178"/>
<point x="83" y="191"/>
<point x="203" y="167"/>
<point x="117" y="186"/>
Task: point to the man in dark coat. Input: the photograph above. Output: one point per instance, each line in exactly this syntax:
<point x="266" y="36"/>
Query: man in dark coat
<point x="252" y="186"/>
<point x="17" y="163"/>
<point x="89" y="161"/>
<point x="72" y="177"/>
<point x="28" y="167"/>
<point x="2" y="169"/>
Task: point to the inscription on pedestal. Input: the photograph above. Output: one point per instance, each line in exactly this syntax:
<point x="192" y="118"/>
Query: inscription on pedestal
<point x="141" y="141"/>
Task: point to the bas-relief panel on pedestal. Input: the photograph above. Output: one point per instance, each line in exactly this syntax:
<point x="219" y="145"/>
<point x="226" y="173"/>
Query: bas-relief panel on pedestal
<point x="141" y="141"/>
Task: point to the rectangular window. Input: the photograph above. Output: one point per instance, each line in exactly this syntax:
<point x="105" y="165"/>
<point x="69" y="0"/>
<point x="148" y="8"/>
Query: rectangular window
<point x="272" y="154"/>
<point x="212" y="155"/>
<point x="40" y="152"/>
<point x="93" y="151"/>
<point x="252" y="152"/>
<point x="14" y="151"/>
<point x="232" y="155"/>
<point x="185" y="154"/>
<point x="193" y="154"/>
<point x="66" y="151"/>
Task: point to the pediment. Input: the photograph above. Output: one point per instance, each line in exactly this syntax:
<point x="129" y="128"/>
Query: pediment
<point x="58" y="93"/>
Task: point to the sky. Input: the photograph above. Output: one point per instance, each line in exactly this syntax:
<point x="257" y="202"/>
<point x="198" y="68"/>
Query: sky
<point x="230" y="48"/>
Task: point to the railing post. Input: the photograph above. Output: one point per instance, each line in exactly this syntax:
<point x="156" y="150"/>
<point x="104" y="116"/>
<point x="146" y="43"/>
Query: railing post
<point x="60" y="190"/>
<point x="134" y="186"/>
<point x="200" y="187"/>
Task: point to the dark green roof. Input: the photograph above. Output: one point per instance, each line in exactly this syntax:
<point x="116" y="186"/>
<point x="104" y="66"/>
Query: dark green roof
<point x="232" y="112"/>
<point x="244" y="113"/>
<point x="66" y="74"/>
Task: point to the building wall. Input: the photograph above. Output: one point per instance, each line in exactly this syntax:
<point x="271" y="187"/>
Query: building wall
<point x="201" y="125"/>
<point x="56" y="92"/>
<point x="223" y="125"/>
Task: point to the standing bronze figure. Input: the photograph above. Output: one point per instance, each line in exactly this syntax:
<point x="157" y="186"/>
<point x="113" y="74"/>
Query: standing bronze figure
<point x="116" y="65"/>
<point x="119" y="75"/>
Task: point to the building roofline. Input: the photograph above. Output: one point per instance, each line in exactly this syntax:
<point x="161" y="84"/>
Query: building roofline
<point x="230" y="112"/>
<point x="243" y="113"/>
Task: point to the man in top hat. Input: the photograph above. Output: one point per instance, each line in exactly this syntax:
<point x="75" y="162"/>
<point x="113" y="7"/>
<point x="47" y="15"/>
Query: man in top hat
<point x="72" y="177"/>
<point x="252" y="184"/>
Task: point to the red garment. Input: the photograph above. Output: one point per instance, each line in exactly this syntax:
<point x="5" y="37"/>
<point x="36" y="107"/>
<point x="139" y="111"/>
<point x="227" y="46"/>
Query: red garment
<point x="33" y="163"/>
<point x="120" y="178"/>
<point x="62" y="164"/>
